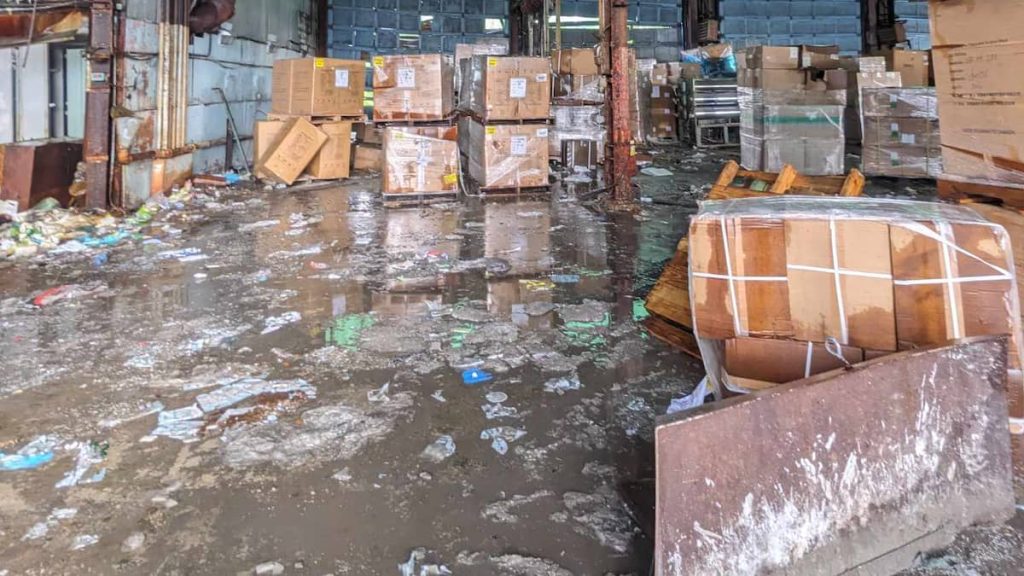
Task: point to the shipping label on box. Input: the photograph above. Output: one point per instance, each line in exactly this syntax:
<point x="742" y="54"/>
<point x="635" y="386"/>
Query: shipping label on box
<point x="420" y="160"/>
<point x="412" y="87"/>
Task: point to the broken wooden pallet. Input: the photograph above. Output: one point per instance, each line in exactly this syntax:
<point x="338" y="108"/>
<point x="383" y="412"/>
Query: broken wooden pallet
<point x="959" y="190"/>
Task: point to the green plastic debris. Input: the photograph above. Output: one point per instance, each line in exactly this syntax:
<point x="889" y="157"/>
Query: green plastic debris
<point x="46" y="205"/>
<point x="346" y="330"/>
<point x="640" y="310"/>
<point x="459" y="334"/>
<point x="582" y="333"/>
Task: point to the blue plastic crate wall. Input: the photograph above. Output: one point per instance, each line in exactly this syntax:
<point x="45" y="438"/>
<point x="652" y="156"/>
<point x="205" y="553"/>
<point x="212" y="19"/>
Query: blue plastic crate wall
<point x="782" y="23"/>
<point x="916" y="16"/>
<point x="655" y="27"/>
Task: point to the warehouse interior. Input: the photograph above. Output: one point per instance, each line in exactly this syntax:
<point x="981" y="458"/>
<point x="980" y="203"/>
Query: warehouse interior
<point x="511" y="287"/>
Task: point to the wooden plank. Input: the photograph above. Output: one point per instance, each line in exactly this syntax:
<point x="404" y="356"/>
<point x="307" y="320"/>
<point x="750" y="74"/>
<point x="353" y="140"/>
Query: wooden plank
<point x="670" y="297"/>
<point x="959" y="190"/>
<point x="675" y="336"/>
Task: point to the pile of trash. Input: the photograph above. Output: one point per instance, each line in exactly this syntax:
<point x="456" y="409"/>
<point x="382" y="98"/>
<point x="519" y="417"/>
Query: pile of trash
<point x="48" y="228"/>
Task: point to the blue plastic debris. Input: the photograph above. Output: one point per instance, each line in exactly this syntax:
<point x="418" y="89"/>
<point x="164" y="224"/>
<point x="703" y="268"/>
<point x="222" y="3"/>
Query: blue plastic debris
<point x="565" y="278"/>
<point x="24" y="461"/>
<point x="474" y="376"/>
<point x="232" y="178"/>
<point x="100" y="259"/>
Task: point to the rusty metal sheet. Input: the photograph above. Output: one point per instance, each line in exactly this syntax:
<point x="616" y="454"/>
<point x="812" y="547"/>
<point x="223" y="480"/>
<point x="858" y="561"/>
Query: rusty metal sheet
<point x="850" y="472"/>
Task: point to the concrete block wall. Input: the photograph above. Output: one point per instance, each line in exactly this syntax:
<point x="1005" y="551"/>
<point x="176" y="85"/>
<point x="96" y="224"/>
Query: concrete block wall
<point x="915" y="13"/>
<point x="789" y="22"/>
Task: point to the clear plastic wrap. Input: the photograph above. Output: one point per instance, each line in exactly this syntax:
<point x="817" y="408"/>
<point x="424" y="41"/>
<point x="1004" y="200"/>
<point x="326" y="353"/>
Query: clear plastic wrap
<point x="507" y="88"/>
<point x="900" y="103"/>
<point x="412" y="87"/>
<point x="799" y="127"/>
<point x="809" y="156"/>
<point x="420" y="159"/>
<point x="578" y="89"/>
<point x="485" y="47"/>
<point x="577" y="123"/>
<point x="507" y="155"/>
<point x="863" y="277"/>
<point x="901" y="161"/>
<point x="916" y="132"/>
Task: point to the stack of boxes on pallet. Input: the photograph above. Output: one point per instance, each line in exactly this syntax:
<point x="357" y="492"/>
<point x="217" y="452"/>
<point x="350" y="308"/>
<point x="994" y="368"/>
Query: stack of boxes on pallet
<point x="578" y="89"/>
<point x="414" y="104"/>
<point x="788" y="114"/>
<point x="309" y="130"/>
<point x="664" y="122"/>
<point x="506" y="104"/>
<point x="978" y="49"/>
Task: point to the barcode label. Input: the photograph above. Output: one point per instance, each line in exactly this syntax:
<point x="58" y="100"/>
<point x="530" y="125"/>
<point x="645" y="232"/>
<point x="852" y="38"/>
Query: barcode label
<point x="341" y="78"/>
<point x="519" y="145"/>
<point x="406" y="77"/>
<point x="517" y="88"/>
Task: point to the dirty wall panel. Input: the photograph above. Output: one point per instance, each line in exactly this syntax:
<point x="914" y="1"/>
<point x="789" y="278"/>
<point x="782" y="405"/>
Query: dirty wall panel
<point x="915" y="14"/>
<point x="784" y="22"/>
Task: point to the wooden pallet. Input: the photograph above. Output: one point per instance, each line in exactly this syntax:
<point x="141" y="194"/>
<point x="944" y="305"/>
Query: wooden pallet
<point x="496" y="193"/>
<point x="448" y="121"/>
<point x="418" y="199"/>
<point x="986" y="192"/>
<point x="317" y="120"/>
<point x="735" y="182"/>
<point x="509" y="122"/>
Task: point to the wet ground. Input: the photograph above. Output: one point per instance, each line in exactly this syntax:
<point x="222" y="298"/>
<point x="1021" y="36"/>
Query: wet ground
<point x="304" y="382"/>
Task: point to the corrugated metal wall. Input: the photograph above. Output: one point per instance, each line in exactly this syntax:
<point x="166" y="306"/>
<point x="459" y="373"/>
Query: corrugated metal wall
<point x="783" y="22"/>
<point x="360" y="27"/>
<point x="916" y="15"/>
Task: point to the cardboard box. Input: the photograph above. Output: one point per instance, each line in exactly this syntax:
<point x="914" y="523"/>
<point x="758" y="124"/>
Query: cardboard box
<point x="580" y="154"/>
<point x="900" y="102"/>
<point x="901" y="161"/>
<point x="577" y="123"/>
<point x="368" y="133"/>
<point x="509" y="88"/>
<point x="782" y="361"/>
<point x="659" y="75"/>
<point x="871" y="65"/>
<point x="318" y="87"/>
<point x="914" y="66"/>
<point x="293" y="150"/>
<point x="367" y="157"/>
<point x="771" y="79"/>
<point x="774" y="57"/>
<point x="334" y="158"/>
<point x="840" y="79"/>
<point x="905" y="131"/>
<point x="579" y="89"/>
<point x="508" y="155"/>
<point x="488" y="47"/>
<point x="412" y="87"/>
<point x="810" y="156"/>
<point x="420" y="159"/>
<point x="581" y="61"/>
<point x="803" y="121"/>
<point x="969" y="22"/>
<point x="264" y="134"/>
<point x="819" y="57"/>
<point x="664" y="124"/>
<point x="981" y="101"/>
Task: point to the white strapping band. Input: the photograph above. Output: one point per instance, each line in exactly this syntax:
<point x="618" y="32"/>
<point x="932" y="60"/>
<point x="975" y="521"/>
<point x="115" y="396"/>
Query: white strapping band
<point x="732" y="282"/>
<point x="947" y="271"/>
<point x="807" y="363"/>
<point x="841" y="271"/>
<point x="741" y="278"/>
<point x="843" y="329"/>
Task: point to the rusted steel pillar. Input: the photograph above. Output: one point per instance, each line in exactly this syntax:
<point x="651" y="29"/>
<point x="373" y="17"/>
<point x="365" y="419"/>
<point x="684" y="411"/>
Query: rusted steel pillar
<point x="96" y="147"/>
<point x="621" y="163"/>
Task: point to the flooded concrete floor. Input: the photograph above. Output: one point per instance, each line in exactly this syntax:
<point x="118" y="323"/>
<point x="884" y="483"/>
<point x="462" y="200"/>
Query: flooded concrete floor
<point x="277" y="386"/>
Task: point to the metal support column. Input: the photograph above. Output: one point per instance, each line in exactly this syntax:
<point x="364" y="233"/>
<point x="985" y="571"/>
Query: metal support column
<point x="96" y="146"/>
<point x="621" y="163"/>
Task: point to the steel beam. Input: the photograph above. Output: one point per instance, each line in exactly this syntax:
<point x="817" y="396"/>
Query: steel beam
<point x="850" y="472"/>
<point x="621" y="163"/>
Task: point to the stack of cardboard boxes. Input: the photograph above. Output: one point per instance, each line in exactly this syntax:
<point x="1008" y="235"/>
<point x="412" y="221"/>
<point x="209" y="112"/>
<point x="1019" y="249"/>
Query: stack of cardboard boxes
<point x="788" y="114"/>
<point x="664" y="121"/>
<point x="506" y="104"/>
<point x="978" y="52"/>
<point x="414" y="103"/>
<point x="578" y="89"/>
<point x="901" y="133"/>
<point x="309" y="131"/>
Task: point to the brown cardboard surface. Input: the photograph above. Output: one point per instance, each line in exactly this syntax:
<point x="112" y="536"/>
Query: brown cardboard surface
<point x="508" y="155"/>
<point x="510" y="88"/>
<point x="959" y="22"/>
<point x="367" y="157"/>
<point x="293" y="150"/>
<point x="334" y="159"/>
<point x="981" y="103"/>
<point x="368" y="133"/>
<point x="264" y="134"/>
<point x="803" y="121"/>
<point x="774" y="57"/>
<point x="772" y="79"/>
<point x="914" y="66"/>
<point x="819" y="57"/>
<point x="759" y="308"/>
<point x="856" y="310"/>
<point x="659" y="75"/>
<point x="901" y="161"/>
<point x="900" y="102"/>
<point x="412" y="87"/>
<point x="782" y="361"/>
<point x="488" y="47"/>
<point x="921" y="132"/>
<point x="318" y="87"/>
<point x="580" y="89"/>
<point x="420" y="159"/>
<point x="575" y="61"/>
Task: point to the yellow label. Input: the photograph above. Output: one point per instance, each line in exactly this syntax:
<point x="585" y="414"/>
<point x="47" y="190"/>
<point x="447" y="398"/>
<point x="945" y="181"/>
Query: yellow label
<point x="632" y="149"/>
<point x="451" y="178"/>
<point x="318" y="63"/>
<point x="378" y="61"/>
<point x="492" y="130"/>
<point x="492" y="62"/>
<point x="398" y="135"/>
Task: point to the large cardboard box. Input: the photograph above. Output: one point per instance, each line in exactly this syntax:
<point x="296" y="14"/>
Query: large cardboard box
<point x="785" y="122"/>
<point x="333" y="161"/>
<point x="905" y="131"/>
<point x="981" y="101"/>
<point x="509" y="88"/>
<point x="318" y="87"/>
<point x="420" y="159"/>
<point x="367" y="157"/>
<point x="772" y="79"/>
<point x="488" y="47"/>
<point x="578" y="89"/>
<point x="368" y="133"/>
<point x="412" y="87"/>
<point x="810" y="156"/>
<point x="967" y="22"/>
<point x="293" y="150"/>
<point x="773" y="362"/>
<point x="774" y="57"/>
<point x="914" y="66"/>
<point x="264" y="134"/>
<point x="508" y="155"/>
<point x="901" y="161"/>
<point x="819" y="57"/>
<point x="900" y="102"/>
<point x="581" y="61"/>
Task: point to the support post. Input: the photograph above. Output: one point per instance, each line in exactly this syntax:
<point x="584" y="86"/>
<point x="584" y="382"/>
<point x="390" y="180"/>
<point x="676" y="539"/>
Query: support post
<point x="621" y="164"/>
<point x="96" y="146"/>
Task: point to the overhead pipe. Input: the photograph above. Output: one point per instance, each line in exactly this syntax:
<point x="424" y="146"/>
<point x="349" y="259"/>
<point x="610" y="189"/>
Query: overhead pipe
<point x="208" y="15"/>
